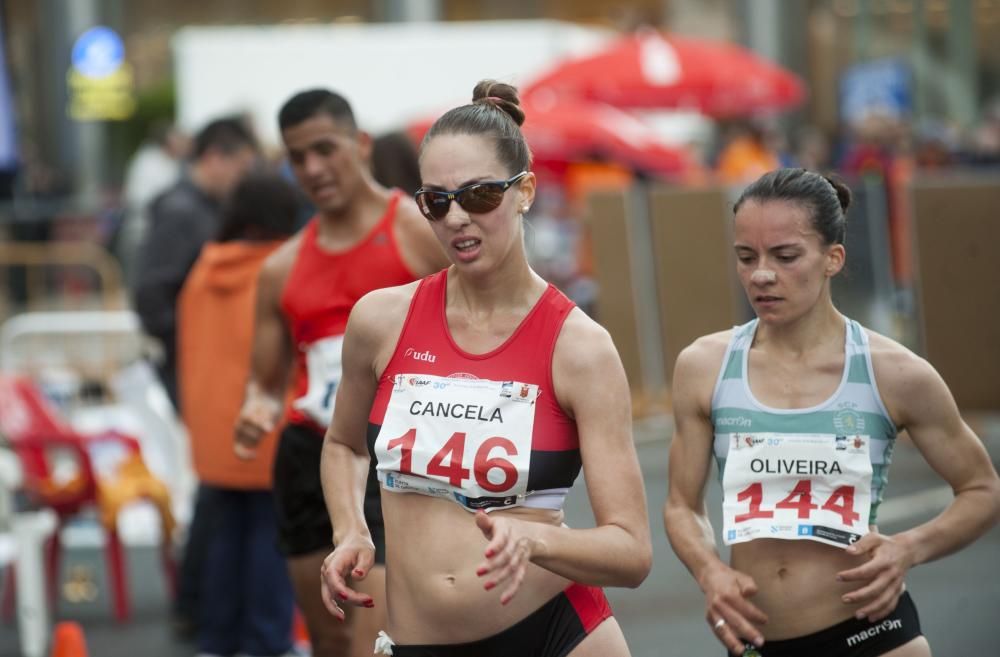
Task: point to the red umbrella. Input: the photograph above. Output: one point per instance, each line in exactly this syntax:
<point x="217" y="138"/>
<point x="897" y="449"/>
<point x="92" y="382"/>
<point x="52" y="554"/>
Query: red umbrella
<point x="563" y="131"/>
<point x="648" y="69"/>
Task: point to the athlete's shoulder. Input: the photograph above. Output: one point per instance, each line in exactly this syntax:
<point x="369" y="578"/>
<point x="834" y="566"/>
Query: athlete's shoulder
<point x="276" y="268"/>
<point x="901" y="375"/>
<point x="696" y="371"/>
<point x="891" y="357"/>
<point x="706" y="351"/>
<point x="584" y="350"/>
<point x="380" y="307"/>
<point x="279" y="264"/>
<point x="582" y="332"/>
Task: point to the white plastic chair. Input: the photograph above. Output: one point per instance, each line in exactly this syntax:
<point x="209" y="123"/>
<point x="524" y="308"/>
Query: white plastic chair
<point x="22" y="540"/>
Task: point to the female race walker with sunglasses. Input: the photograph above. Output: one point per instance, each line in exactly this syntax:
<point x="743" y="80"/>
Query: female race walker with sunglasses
<point x="801" y="407"/>
<point x="488" y="390"/>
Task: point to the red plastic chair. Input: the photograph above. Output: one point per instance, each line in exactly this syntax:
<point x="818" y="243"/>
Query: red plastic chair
<point x="37" y="436"/>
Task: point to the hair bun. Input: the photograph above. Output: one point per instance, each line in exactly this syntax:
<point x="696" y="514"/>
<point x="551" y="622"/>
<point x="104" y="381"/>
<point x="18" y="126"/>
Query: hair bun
<point x="843" y="191"/>
<point x="500" y="95"/>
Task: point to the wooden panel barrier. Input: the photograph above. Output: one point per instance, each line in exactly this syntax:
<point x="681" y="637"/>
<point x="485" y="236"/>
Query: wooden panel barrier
<point x="956" y="233"/>
<point x="695" y="275"/>
<point x="607" y="223"/>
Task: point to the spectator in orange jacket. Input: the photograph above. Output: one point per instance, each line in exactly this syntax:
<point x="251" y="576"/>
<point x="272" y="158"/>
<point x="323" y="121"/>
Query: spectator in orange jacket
<point x="246" y="601"/>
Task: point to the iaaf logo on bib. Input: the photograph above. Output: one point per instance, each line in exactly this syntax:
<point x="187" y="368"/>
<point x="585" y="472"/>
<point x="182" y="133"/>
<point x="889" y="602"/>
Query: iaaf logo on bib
<point x="745" y="439"/>
<point x="425" y="356"/>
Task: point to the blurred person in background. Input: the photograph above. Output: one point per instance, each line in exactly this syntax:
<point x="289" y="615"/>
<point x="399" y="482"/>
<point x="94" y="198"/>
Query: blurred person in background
<point x="246" y="595"/>
<point x="812" y="150"/>
<point x="880" y="149"/>
<point x="363" y="237"/>
<point x="394" y="165"/>
<point x="182" y="219"/>
<point x="483" y="388"/>
<point x="154" y="168"/>
<point x="801" y="408"/>
<point x="749" y="152"/>
<point x="394" y="162"/>
<point x="936" y="145"/>
<point x="984" y="143"/>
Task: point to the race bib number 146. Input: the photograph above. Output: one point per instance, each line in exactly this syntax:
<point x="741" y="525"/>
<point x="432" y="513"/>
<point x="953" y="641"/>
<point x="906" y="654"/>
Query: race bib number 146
<point x="468" y="440"/>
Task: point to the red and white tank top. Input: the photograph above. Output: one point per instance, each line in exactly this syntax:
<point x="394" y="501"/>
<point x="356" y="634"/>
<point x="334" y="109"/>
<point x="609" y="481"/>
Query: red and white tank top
<point x="484" y="430"/>
<point x="317" y="299"/>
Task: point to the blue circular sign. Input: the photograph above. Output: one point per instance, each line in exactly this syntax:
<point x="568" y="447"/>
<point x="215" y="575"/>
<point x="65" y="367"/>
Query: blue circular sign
<point x="98" y="52"/>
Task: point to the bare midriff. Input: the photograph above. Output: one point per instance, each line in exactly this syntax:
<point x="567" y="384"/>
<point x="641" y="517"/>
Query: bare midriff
<point x="433" y="549"/>
<point x="797" y="584"/>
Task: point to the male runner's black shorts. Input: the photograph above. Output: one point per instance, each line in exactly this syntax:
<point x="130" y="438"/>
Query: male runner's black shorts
<point x="553" y="630"/>
<point x="851" y="638"/>
<point x="303" y="522"/>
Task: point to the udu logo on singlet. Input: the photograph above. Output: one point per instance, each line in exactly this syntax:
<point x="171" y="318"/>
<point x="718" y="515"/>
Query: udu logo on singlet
<point x="426" y="356"/>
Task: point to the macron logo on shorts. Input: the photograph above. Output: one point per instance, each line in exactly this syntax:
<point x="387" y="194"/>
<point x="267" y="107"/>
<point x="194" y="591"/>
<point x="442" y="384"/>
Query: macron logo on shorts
<point x="425" y="356"/>
<point x="887" y="625"/>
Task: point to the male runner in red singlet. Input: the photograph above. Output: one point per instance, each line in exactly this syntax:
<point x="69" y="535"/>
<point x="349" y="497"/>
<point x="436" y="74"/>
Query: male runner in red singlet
<point x="363" y="237"/>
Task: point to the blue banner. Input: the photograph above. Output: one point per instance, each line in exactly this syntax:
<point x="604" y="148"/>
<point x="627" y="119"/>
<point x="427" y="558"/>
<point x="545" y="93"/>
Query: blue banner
<point x="882" y="86"/>
<point x="8" y="140"/>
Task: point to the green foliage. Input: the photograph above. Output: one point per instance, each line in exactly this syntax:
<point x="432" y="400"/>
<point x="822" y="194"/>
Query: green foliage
<point x="153" y="105"/>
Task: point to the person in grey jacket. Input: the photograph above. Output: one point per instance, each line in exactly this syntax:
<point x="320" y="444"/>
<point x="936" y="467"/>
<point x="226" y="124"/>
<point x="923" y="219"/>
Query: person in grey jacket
<point x="183" y="218"/>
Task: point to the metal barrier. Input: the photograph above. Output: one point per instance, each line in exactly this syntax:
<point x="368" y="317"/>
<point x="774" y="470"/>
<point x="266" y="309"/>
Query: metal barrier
<point x="94" y="344"/>
<point x="39" y="257"/>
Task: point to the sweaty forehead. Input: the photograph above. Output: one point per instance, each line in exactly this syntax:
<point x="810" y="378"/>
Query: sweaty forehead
<point x="451" y="160"/>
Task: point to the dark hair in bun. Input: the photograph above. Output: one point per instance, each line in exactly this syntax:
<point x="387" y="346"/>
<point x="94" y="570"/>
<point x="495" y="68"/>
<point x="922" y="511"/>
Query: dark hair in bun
<point x="825" y="197"/>
<point x="495" y="113"/>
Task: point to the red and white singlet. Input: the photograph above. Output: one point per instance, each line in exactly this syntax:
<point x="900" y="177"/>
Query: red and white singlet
<point x="317" y="299"/>
<point x="484" y="430"/>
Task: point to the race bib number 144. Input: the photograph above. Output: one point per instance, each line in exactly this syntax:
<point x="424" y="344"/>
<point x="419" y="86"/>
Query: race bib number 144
<point x="796" y="486"/>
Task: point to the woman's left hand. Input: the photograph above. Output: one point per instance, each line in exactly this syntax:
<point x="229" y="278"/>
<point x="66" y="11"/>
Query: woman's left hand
<point x="889" y="560"/>
<point x="508" y="553"/>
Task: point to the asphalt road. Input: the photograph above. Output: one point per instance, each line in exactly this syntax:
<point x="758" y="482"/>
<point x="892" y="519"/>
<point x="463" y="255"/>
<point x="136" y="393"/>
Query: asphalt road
<point x="958" y="597"/>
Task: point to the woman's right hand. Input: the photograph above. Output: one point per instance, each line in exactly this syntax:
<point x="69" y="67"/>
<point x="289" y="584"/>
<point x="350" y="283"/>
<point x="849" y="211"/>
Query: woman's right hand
<point x="729" y="612"/>
<point x="352" y="559"/>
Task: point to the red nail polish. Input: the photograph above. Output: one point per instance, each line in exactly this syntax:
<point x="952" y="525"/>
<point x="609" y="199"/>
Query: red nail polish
<point x="489" y="585"/>
<point x="343" y="596"/>
<point x="480" y="572"/>
<point x="370" y="604"/>
<point x="359" y="573"/>
<point x="489" y="553"/>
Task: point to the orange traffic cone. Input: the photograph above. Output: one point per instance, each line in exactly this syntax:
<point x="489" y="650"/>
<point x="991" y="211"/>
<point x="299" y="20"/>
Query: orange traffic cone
<point x="68" y="640"/>
<point x="300" y="635"/>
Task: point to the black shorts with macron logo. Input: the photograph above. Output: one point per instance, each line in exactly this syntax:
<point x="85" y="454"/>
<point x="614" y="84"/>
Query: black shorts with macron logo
<point x="851" y="638"/>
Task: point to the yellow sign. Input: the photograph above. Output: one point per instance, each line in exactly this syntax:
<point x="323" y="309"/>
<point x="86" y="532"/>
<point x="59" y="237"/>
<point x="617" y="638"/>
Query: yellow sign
<point x="99" y="79"/>
<point x="107" y="98"/>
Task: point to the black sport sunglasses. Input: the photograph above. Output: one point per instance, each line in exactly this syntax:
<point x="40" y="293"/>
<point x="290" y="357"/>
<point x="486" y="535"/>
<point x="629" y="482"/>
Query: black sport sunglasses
<point x="477" y="198"/>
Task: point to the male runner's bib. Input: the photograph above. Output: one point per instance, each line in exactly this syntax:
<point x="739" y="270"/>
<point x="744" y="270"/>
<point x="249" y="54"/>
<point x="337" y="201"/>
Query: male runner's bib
<point x="316" y="301"/>
<point x="482" y="430"/>
<point x="814" y="473"/>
